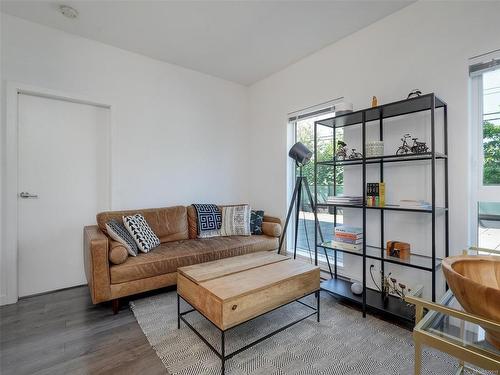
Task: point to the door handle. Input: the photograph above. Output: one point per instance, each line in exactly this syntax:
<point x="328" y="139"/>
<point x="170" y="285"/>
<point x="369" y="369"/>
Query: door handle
<point x="27" y="195"/>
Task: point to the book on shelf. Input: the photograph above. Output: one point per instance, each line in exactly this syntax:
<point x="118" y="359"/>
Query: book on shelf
<point x="349" y="230"/>
<point x="375" y="194"/>
<point x="346" y="199"/>
<point x="348" y="236"/>
<point x="347" y="246"/>
<point x="347" y="240"/>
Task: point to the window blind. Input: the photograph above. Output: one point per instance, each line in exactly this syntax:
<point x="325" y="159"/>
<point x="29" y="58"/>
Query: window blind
<point x="483" y="63"/>
<point x="315" y="110"/>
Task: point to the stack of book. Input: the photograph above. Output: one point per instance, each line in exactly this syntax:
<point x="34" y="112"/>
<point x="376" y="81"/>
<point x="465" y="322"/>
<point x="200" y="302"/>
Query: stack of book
<point x="375" y="194"/>
<point x="348" y="238"/>
<point x="346" y="199"/>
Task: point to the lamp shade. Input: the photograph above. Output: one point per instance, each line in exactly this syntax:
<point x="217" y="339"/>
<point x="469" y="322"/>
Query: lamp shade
<point x="300" y="153"/>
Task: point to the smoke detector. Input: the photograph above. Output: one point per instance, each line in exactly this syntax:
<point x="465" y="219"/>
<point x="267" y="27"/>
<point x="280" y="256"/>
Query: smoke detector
<point x="68" y="11"/>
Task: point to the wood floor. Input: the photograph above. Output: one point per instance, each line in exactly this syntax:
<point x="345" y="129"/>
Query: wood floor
<point x="64" y="333"/>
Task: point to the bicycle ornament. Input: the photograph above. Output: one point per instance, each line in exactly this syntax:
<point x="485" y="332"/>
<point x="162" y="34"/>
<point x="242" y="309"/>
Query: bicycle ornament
<point x="415" y="148"/>
<point x="355" y="155"/>
<point x="341" y="153"/>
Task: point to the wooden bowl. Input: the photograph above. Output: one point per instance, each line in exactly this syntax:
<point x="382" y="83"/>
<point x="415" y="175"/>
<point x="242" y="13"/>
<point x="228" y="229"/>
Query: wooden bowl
<point x="475" y="282"/>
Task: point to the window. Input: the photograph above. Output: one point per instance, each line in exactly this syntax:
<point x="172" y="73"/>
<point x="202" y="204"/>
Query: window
<point x="485" y="95"/>
<point x="491" y="127"/>
<point x="489" y="225"/>
<point x="303" y="129"/>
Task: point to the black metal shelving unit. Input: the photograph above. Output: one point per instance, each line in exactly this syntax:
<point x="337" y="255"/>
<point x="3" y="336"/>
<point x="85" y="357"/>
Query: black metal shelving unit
<point x="372" y="299"/>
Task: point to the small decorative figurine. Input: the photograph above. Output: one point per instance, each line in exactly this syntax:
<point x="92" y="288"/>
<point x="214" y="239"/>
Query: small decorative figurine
<point x="355" y="155"/>
<point x="357" y="288"/>
<point x="374" y="101"/>
<point x="390" y="286"/>
<point x="341" y="153"/>
<point x="404" y="148"/>
<point x="419" y="147"/>
<point x="398" y="249"/>
<point x="414" y="93"/>
<point x="416" y="148"/>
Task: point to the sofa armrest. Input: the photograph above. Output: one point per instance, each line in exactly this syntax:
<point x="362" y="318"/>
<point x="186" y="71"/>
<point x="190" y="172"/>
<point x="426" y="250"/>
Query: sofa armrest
<point x="95" y="249"/>
<point x="271" y="229"/>
<point x="271" y="219"/>
<point x="271" y="226"/>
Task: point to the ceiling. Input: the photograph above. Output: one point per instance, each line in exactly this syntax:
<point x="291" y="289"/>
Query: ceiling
<point x="241" y="41"/>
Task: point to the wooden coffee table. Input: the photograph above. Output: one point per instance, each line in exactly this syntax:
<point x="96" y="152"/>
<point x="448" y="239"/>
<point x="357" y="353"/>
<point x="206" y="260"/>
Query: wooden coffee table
<point x="232" y="291"/>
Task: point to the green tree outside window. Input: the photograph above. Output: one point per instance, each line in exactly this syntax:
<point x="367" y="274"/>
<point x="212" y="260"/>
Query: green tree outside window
<point x="491" y="149"/>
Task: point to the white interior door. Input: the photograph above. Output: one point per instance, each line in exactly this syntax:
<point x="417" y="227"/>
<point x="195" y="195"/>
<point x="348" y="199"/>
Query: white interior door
<point x="63" y="183"/>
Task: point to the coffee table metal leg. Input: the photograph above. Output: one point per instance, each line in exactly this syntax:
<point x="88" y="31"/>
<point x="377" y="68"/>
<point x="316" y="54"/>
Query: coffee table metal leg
<point x="223" y="352"/>
<point x="318" y="302"/>
<point x="178" y="311"/>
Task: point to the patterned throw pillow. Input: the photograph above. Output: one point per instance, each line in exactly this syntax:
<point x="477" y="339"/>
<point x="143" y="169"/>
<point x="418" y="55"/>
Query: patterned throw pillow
<point x="235" y="221"/>
<point x="209" y="219"/>
<point x="256" y="219"/>
<point x="141" y="232"/>
<point x="119" y="233"/>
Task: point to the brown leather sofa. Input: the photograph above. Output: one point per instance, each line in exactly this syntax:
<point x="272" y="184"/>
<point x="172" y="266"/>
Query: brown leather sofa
<point x="176" y="229"/>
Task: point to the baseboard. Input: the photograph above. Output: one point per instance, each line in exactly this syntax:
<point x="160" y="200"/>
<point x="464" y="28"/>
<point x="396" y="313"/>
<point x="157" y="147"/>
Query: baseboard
<point x="5" y="300"/>
<point x="52" y="291"/>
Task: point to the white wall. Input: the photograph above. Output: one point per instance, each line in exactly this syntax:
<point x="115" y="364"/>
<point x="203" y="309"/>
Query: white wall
<point x="425" y="46"/>
<point x="179" y="136"/>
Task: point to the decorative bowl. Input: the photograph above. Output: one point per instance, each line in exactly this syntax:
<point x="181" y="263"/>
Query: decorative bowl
<point x="475" y="282"/>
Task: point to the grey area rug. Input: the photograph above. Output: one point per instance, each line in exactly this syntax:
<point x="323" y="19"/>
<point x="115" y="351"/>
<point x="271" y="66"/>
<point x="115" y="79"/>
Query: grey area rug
<point x="342" y="343"/>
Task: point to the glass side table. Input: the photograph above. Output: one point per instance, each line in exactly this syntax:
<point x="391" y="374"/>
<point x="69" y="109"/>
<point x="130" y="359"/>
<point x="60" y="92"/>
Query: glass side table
<point x="448" y="328"/>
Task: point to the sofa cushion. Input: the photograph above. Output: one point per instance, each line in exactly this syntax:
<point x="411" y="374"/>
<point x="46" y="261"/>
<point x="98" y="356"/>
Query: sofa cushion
<point x="271" y="229"/>
<point x="141" y="232"/>
<point x="236" y="221"/>
<point x="256" y="218"/>
<point x="168" y="223"/>
<point x="119" y="233"/>
<point x="169" y="256"/>
<point x="118" y="253"/>
<point x="193" y="220"/>
<point x="209" y="219"/>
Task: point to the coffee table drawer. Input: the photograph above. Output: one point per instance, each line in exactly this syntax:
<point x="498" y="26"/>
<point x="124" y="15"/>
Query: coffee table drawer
<point x="242" y="308"/>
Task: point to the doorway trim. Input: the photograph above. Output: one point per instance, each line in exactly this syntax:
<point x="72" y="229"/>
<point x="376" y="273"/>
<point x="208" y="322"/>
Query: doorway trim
<point x="9" y="246"/>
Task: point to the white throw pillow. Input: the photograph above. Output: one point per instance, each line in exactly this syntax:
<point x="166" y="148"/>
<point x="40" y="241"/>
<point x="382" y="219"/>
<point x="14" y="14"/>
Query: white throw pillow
<point x="141" y="232"/>
<point x="236" y="221"/>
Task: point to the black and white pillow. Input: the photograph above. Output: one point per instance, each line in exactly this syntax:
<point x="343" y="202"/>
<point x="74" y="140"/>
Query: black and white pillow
<point x="119" y="233"/>
<point x="141" y="232"/>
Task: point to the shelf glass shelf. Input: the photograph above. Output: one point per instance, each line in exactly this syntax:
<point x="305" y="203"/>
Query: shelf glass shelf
<point x="387" y="207"/>
<point x="399" y="108"/>
<point x="383" y="159"/>
<point x="394" y="306"/>
<point x="421" y="262"/>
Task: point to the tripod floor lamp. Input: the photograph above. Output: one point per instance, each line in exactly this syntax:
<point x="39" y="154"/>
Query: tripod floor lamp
<point x="301" y="155"/>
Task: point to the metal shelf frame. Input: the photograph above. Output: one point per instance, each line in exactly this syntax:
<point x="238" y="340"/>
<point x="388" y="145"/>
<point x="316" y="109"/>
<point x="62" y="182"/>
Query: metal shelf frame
<point x="429" y="102"/>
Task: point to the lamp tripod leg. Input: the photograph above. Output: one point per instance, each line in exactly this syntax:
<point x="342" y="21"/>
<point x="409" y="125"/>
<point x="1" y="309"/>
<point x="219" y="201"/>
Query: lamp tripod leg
<point x="290" y="209"/>
<point x="311" y="201"/>
<point x="297" y="215"/>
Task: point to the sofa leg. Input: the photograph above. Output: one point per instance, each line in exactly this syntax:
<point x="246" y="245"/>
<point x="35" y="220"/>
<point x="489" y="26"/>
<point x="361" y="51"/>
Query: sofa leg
<point x="115" y="304"/>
